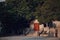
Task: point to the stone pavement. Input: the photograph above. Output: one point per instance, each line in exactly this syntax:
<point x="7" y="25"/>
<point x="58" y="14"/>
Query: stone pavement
<point x="28" y="38"/>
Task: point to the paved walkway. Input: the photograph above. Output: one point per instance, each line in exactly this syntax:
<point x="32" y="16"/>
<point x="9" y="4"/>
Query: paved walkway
<point x="28" y="38"/>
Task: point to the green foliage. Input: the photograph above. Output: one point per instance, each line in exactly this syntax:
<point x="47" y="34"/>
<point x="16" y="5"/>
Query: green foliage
<point x="44" y="10"/>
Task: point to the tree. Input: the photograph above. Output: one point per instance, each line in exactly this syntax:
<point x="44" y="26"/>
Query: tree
<point x="49" y="10"/>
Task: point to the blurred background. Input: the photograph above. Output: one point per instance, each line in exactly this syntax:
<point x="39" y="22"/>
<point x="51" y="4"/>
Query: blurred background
<point x="16" y="15"/>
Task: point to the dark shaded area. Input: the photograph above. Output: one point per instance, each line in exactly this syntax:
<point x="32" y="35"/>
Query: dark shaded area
<point x="50" y="24"/>
<point x="11" y="23"/>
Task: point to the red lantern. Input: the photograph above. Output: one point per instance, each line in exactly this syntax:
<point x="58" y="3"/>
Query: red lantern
<point x="36" y="25"/>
